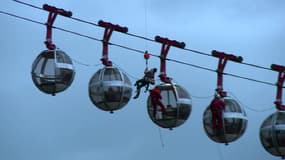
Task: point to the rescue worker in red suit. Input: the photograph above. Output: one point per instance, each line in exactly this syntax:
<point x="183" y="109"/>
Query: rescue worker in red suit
<point x="217" y="105"/>
<point x="155" y="100"/>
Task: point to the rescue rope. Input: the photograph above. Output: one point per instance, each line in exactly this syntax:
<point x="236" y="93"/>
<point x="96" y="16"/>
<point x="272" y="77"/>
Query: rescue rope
<point x="160" y="137"/>
<point x="219" y="152"/>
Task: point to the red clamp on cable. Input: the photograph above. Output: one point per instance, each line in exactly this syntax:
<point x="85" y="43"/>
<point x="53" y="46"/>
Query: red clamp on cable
<point x="169" y="42"/>
<point x="279" y="84"/>
<point x="53" y="11"/>
<point x="166" y="43"/>
<point x="109" y="28"/>
<point x="57" y="10"/>
<point x="113" y="26"/>
<point x="223" y="58"/>
<point x="146" y="55"/>
<point x="231" y="57"/>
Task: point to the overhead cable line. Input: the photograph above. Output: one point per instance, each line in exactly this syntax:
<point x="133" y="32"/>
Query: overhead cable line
<point x="20" y="17"/>
<point x="136" y="50"/>
<point x="148" y="39"/>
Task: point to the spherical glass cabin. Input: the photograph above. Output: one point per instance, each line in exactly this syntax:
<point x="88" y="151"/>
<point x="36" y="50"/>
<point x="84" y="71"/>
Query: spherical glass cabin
<point x="234" y="122"/>
<point x="52" y="71"/>
<point x="178" y="106"/>
<point x="272" y="134"/>
<point x="110" y="89"/>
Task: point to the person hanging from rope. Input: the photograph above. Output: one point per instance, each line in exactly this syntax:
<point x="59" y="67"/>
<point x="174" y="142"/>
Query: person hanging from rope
<point x="155" y="98"/>
<point x="147" y="79"/>
<point x="217" y="105"/>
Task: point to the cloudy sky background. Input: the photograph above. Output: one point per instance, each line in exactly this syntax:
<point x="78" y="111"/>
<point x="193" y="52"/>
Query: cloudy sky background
<point x="68" y="126"/>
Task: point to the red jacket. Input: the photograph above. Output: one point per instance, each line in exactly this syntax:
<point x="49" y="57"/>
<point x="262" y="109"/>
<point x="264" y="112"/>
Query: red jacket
<point x="155" y="94"/>
<point x="217" y="104"/>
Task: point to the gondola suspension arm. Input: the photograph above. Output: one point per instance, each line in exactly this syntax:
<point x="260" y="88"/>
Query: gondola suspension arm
<point x="53" y="12"/>
<point x="280" y="81"/>
<point x="223" y="58"/>
<point x="109" y="28"/>
<point x="166" y="43"/>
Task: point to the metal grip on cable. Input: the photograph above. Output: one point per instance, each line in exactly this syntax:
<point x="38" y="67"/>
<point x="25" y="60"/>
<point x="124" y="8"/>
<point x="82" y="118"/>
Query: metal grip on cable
<point x="278" y="68"/>
<point x="109" y="28"/>
<point x="166" y="44"/>
<point x="231" y="57"/>
<point x="59" y="11"/>
<point x="170" y="42"/>
<point x="280" y="81"/>
<point x="223" y="59"/>
<point x="114" y="27"/>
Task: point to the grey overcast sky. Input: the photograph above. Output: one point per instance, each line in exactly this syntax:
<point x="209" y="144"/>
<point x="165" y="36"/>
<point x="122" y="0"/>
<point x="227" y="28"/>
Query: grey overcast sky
<point x="68" y="126"/>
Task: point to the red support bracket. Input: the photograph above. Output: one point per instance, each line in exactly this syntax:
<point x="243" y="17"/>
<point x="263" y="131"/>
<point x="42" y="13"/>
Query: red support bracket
<point x="109" y="28"/>
<point x="279" y="84"/>
<point x="53" y="12"/>
<point x="166" y="43"/>
<point x="223" y="58"/>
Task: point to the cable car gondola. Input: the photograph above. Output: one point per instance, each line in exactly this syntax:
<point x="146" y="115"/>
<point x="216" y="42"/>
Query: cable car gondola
<point x="224" y="119"/>
<point x="272" y="134"/>
<point x="234" y="122"/>
<point x="178" y="106"/>
<point x="52" y="71"/>
<point x="110" y="89"/>
<point x="174" y="100"/>
<point x="272" y="130"/>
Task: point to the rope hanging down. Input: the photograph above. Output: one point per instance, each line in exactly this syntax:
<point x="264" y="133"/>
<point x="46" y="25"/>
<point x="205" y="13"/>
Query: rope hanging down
<point x="137" y="51"/>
